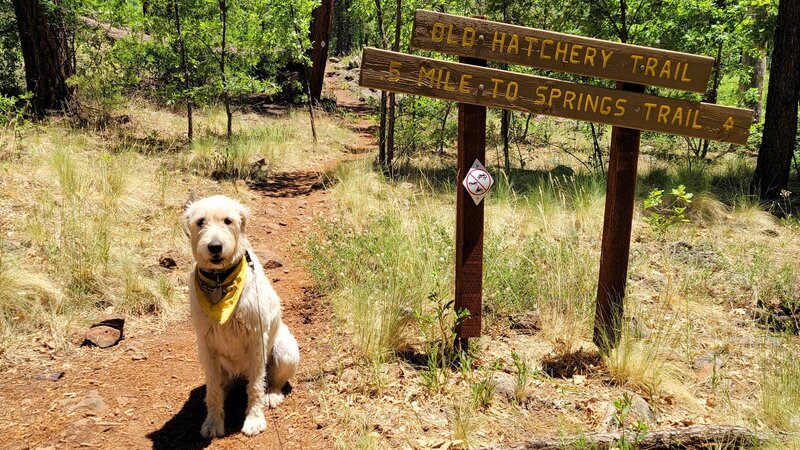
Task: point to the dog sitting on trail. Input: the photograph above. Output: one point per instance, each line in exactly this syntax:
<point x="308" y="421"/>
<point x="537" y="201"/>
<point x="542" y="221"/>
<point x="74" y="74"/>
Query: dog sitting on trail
<point x="236" y="315"/>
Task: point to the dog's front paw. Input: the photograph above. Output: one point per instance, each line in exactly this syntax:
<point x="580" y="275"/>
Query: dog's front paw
<point x="213" y="426"/>
<point x="254" y="423"/>
<point x="274" y="399"/>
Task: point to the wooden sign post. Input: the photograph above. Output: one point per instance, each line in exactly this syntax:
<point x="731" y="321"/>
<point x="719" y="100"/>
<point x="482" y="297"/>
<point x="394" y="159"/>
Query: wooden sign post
<point x="627" y="109"/>
<point x="469" y="218"/>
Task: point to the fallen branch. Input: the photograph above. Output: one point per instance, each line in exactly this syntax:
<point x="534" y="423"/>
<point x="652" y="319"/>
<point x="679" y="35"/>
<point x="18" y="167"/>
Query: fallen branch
<point x="689" y="437"/>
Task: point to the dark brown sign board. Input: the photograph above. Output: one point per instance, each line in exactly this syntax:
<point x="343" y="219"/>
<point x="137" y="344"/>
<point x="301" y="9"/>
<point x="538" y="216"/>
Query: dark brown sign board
<point x="478" y="38"/>
<point x="398" y="72"/>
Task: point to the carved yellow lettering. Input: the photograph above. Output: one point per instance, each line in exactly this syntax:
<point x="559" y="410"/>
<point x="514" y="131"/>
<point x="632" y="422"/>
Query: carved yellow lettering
<point x="588" y="58"/>
<point x="728" y="124"/>
<point x="450" y="39"/>
<point x="636" y="59"/>
<point x="513" y="45"/>
<point x="606" y="56"/>
<point x="394" y="70"/>
<point x="497" y="82"/>
<point x="569" y="96"/>
<point x="573" y="54"/>
<point x="429" y="75"/>
<point x="677" y="116"/>
<point x="561" y="52"/>
<point x="675" y="74"/>
<point x="541" y="49"/>
<point x="605" y="109"/>
<point x="447" y="86"/>
<point x="649" y="107"/>
<point x="695" y="125"/>
<point x="512" y="91"/>
<point x="620" y="104"/>
<point x="468" y="39"/>
<point x="531" y="42"/>
<point x="555" y="93"/>
<point x="683" y="75"/>
<point x="663" y="112"/>
<point x="437" y="33"/>
<point x="591" y="103"/>
<point x="463" y="85"/>
<point x="540" y="97"/>
<point x="650" y="67"/>
<point x="665" y="69"/>
<point x="501" y="41"/>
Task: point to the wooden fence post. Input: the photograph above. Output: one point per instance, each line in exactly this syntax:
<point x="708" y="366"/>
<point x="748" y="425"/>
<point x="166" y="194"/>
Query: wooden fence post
<point x="469" y="218"/>
<point x="617" y="220"/>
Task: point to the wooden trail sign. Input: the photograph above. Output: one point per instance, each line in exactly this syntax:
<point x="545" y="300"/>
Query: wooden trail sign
<point x="627" y="108"/>
<point x="477" y="38"/>
<point x="398" y="72"/>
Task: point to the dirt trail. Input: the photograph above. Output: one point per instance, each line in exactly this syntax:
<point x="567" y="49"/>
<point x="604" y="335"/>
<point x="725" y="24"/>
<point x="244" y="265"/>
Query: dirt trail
<point x="113" y="398"/>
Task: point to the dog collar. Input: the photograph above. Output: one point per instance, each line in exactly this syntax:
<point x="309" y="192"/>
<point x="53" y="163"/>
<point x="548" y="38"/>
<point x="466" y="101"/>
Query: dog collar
<point x="219" y="299"/>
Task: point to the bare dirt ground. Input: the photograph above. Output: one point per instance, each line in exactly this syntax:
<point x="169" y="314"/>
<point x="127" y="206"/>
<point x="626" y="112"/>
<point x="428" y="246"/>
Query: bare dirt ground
<point x="148" y="391"/>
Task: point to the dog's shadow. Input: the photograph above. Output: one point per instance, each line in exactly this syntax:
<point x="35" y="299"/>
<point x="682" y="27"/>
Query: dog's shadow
<point x="183" y="429"/>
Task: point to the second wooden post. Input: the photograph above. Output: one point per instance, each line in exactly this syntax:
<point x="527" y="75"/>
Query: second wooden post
<point x="617" y="220"/>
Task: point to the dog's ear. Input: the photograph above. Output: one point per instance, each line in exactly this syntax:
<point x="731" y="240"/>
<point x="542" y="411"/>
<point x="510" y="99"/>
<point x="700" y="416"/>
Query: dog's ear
<point x="186" y="217"/>
<point x="244" y="215"/>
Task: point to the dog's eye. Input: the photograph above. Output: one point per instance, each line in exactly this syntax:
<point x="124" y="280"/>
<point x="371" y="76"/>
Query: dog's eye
<point x="228" y="221"/>
<point x="201" y="222"/>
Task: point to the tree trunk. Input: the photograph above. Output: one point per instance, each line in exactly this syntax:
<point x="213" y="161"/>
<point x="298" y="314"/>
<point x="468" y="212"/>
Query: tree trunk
<point x="46" y="52"/>
<point x="320" y="34"/>
<point x="382" y="127"/>
<point x="185" y="69"/>
<point x="390" y="126"/>
<point x="780" y="125"/>
<point x="223" y="9"/>
<point x="712" y="95"/>
<point x="757" y="65"/>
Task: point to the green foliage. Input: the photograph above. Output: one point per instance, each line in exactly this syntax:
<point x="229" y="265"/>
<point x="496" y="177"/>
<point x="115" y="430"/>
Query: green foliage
<point x="623" y="408"/>
<point x="662" y="213"/>
<point x="14" y="110"/>
<point x="483" y="391"/>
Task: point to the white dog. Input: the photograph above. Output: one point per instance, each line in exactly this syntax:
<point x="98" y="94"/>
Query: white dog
<point x="236" y="315"/>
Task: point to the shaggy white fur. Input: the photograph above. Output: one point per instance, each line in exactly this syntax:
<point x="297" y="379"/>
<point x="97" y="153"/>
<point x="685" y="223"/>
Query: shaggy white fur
<point x="254" y="343"/>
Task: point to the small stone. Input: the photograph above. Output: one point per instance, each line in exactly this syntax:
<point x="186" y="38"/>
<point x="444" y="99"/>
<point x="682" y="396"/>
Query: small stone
<point x="705" y="366"/>
<point x="91" y="404"/>
<point x="50" y="375"/>
<point x="273" y="226"/>
<point x="102" y="336"/>
<point x="505" y="385"/>
<point x="640" y="411"/>
<point x="350" y="375"/>
<point x="528" y="323"/>
<point x="270" y="260"/>
<point x="139" y="355"/>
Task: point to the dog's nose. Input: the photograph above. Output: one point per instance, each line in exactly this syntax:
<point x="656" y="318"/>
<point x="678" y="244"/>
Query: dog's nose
<point x="215" y="247"/>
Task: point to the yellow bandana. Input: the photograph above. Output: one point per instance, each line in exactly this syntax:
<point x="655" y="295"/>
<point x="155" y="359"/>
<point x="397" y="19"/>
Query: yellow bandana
<point x="219" y="300"/>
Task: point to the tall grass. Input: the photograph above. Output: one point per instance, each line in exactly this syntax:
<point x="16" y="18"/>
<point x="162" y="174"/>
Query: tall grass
<point x="780" y="390"/>
<point x="389" y="246"/>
